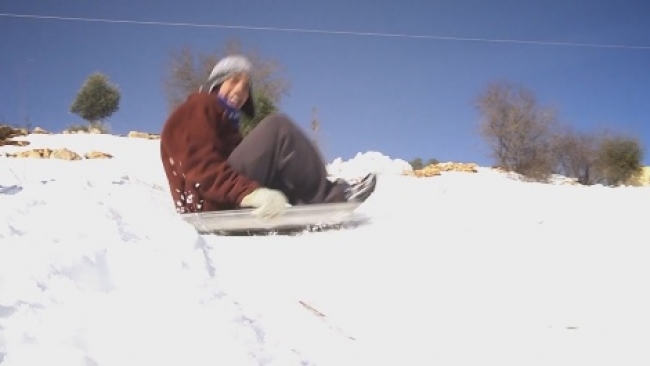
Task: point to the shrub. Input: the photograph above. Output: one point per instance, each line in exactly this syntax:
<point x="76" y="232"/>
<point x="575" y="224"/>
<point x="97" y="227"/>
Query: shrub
<point x="97" y="100"/>
<point x="619" y="159"/>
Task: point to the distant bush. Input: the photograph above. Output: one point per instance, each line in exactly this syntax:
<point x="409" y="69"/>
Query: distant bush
<point x="620" y="159"/>
<point x="432" y="162"/>
<point x="598" y="158"/>
<point x="417" y="163"/>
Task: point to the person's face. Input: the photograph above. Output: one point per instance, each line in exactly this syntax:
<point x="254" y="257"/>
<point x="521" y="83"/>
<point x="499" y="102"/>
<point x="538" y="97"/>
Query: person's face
<point x="235" y="90"/>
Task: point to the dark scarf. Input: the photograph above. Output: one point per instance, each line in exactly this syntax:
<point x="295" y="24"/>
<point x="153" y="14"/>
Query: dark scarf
<point x="232" y="113"/>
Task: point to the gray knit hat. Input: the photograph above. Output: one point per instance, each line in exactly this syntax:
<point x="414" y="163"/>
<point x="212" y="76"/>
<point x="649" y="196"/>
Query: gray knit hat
<point x="224" y="69"/>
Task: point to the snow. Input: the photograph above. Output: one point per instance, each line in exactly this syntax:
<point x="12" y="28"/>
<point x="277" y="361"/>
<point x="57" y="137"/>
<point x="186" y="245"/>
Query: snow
<point x="459" y="269"/>
<point x="369" y="162"/>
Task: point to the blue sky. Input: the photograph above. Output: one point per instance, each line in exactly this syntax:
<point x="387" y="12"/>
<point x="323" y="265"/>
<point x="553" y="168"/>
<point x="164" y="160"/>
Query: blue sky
<point x="404" y="97"/>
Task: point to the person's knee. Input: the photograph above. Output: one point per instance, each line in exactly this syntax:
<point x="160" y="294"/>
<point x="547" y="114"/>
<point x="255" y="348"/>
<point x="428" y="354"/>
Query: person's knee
<point x="279" y="121"/>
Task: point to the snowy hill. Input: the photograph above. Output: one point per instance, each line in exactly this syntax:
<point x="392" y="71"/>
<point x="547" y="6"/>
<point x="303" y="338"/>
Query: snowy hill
<point x="456" y="269"/>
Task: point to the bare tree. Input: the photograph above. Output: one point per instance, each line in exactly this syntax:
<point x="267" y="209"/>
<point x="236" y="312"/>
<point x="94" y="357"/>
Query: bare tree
<point x="188" y="70"/>
<point x="183" y="76"/>
<point x="577" y="155"/>
<point x="518" y="132"/>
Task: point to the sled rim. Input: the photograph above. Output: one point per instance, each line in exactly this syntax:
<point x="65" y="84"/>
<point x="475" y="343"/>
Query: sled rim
<point x="293" y="218"/>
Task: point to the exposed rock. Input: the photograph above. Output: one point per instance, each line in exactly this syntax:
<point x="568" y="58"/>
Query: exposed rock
<point x="39" y="131"/>
<point x="437" y="169"/>
<point x="63" y="154"/>
<point x="33" y="153"/>
<point x="137" y="134"/>
<point x="458" y="167"/>
<point x="98" y="155"/>
<point x="75" y="131"/>
<point x="642" y="179"/>
<point x="427" y="171"/>
<point x="21" y="132"/>
<point x="143" y="135"/>
<point x="80" y="129"/>
<point x="570" y="182"/>
<point x="8" y="132"/>
<point x="14" y="143"/>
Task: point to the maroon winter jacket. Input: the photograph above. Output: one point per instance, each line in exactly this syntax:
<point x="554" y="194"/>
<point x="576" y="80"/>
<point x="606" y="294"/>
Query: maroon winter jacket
<point x="195" y="143"/>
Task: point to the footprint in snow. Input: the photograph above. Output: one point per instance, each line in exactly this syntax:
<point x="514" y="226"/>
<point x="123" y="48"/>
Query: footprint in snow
<point x="10" y="189"/>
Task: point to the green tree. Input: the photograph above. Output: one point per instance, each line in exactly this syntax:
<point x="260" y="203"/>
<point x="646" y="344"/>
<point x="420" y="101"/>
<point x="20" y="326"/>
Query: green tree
<point x="97" y="100"/>
<point x="188" y="70"/>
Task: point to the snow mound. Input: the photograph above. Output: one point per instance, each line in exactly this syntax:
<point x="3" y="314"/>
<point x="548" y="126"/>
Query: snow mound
<point x="369" y="162"/>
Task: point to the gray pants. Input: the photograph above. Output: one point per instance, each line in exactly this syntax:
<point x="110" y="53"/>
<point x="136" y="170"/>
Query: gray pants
<point x="278" y="155"/>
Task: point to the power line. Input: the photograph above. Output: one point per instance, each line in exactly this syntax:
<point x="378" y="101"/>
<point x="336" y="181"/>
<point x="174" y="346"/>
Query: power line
<point x="322" y="31"/>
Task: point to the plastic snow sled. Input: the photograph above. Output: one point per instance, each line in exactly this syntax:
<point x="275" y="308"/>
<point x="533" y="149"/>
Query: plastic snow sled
<point x="295" y="219"/>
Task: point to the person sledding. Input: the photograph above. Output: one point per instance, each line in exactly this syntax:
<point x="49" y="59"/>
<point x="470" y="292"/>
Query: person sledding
<point x="211" y="167"/>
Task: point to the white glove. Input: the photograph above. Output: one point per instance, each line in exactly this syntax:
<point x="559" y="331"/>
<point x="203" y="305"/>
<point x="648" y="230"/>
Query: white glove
<point x="269" y="202"/>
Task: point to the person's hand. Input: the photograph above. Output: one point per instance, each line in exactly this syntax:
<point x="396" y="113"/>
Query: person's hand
<point x="269" y="203"/>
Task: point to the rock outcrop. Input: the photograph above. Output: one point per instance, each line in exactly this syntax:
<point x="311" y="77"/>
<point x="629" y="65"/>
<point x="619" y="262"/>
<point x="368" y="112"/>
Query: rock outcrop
<point x="45" y="153"/>
<point x="7" y="133"/>
<point x="61" y="154"/>
<point x="642" y="179"/>
<point x="75" y="130"/>
<point x="98" y="155"/>
<point x="40" y="131"/>
<point x="14" y="143"/>
<point x="437" y="169"/>
<point x="143" y="135"/>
